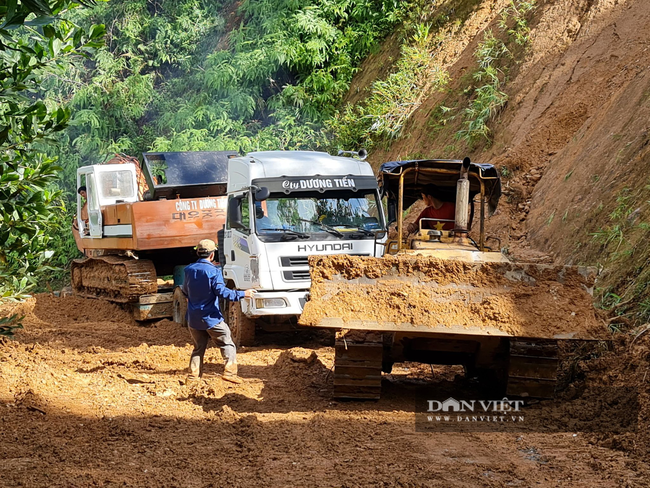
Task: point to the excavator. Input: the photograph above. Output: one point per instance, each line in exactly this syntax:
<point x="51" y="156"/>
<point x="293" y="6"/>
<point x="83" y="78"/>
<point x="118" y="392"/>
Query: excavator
<point x="140" y="224"/>
<point x="448" y="296"/>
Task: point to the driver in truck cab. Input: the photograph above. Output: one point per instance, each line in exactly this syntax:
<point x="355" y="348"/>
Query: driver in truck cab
<point x="436" y="209"/>
<point x="262" y="222"/>
<point x="203" y="286"/>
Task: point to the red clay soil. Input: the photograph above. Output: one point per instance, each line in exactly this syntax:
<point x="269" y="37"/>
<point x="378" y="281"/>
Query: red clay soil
<point x="89" y="398"/>
<point x="523" y="300"/>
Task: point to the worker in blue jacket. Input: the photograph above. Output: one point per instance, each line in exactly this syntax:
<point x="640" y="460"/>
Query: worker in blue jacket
<point x="203" y="286"/>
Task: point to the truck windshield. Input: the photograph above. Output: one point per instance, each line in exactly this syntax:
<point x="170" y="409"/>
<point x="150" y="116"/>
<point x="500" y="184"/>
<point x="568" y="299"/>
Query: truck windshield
<point x="334" y="215"/>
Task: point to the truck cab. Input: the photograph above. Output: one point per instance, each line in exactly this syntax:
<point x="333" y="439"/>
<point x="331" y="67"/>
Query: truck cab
<point x="284" y="206"/>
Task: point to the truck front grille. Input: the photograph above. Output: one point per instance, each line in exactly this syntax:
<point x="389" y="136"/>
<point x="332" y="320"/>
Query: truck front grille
<point x="290" y="261"/>
<point x="296" y="275"/>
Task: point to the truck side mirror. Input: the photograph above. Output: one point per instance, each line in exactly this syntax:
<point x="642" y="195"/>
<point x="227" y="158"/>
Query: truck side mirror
<point x="392" y="211"/>
<point x="261" y="194"/>
<point x="234" y="212"/>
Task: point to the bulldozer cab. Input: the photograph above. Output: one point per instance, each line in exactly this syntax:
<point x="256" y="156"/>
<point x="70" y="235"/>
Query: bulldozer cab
<point x="402" y="183"/>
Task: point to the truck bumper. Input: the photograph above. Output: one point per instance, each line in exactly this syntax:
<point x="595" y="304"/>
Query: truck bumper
<point x="274" y="303"/>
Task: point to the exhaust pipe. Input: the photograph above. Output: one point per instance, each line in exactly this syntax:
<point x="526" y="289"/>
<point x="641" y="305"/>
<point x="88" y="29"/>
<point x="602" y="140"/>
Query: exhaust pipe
<point x="462" y="200"/>
<point x="360" y="154"/>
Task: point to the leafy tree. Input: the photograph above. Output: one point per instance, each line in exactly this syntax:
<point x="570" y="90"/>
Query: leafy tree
<point x="171" y="78"/>
<point x="36" y="40"/>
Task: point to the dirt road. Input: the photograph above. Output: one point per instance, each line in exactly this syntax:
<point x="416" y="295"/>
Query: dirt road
<point x="88" y="398"/>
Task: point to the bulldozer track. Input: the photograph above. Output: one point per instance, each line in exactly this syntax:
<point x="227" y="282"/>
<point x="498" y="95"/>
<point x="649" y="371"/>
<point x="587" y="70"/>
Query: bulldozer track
<point x="532" y="369"/>
<point x="357" y="369"/>
<point x="114" y="278"/>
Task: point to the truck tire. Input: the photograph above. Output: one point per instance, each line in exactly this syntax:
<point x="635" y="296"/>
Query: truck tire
<point x="179" y="310"/>
<point x="242" y="328"/>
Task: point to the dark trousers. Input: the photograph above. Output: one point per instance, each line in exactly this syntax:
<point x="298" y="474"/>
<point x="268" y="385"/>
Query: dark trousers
<point x="221" y="335"/>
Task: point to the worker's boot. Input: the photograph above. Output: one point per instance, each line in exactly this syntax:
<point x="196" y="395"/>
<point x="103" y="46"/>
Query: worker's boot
<point x="194" y="378"/>
<point x="230" y="373"/>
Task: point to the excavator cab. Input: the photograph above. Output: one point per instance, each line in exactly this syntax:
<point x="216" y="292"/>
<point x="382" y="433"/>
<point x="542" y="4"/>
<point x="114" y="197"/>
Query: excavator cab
<point x="106" y="184"/>
<point x="139" y="224"/>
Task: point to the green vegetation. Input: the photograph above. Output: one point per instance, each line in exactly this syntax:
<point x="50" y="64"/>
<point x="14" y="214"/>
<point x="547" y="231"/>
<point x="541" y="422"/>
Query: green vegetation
<point x="383" y="115"/>
<point x="38" y="41"/>
<point x="8" y="325"/>
<point x="487" y="97"/>
<point x="268" y="84"/>
<point x="624" y="245"/>
<point x="513" y="20"/>
<point x="614" y="232"/>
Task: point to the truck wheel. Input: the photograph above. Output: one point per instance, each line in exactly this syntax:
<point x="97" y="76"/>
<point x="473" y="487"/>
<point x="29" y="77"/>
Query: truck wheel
<point x="179" y="311"/>
<point x="242" y="327"/>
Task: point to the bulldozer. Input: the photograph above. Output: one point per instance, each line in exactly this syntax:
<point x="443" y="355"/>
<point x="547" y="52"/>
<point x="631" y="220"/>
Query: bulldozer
<point x="141" y="223"/>
<point x="449" y="297"/>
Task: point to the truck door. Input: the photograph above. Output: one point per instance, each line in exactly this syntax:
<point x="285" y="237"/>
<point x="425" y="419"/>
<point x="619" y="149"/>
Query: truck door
<point x="94" y="212"/>
<point x="237" y="247"/>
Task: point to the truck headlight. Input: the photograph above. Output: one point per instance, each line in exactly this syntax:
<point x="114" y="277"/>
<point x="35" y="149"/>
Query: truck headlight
<point x="270" y="303"/>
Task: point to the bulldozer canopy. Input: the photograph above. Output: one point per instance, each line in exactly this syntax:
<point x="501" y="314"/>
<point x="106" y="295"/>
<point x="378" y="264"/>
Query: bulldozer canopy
<point x="443" y="173"/>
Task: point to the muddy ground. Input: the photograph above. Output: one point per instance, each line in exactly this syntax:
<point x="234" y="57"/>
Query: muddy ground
<point x="89" y="398"/>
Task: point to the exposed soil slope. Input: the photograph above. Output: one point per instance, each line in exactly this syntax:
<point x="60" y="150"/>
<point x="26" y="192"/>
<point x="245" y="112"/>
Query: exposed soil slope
<point x="573" y="138"/>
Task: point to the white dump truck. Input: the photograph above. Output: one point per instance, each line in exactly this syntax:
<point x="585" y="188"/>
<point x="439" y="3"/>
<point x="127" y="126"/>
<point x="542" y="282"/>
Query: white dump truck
<point x="284" y="206"/>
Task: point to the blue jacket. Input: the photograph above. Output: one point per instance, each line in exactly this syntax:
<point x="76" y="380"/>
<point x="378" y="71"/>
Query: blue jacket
<point x="204" y="286"/>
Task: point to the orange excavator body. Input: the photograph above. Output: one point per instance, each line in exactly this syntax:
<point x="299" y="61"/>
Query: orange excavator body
<point x="142" y="224"/>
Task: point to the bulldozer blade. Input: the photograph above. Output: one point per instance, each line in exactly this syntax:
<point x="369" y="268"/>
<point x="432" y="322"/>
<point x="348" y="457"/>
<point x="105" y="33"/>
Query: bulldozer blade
<point x="430" y="295"/>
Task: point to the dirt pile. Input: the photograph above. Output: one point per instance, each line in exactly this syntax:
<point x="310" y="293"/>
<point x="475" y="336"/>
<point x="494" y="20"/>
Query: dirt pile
<point x="518" y="299"/>
<point x="625" y="365"/>
<point x="70" y="309"/>
<point x="106" y="403"/>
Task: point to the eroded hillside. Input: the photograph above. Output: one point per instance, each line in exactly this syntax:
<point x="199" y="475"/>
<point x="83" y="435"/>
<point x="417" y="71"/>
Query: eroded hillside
<point x="572" y="139"/>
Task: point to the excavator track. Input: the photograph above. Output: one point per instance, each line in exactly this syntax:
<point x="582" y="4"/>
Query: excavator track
<point x="114" y="278"/>
<point x="532" y="369"/>
<point x="357" y="368"/>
